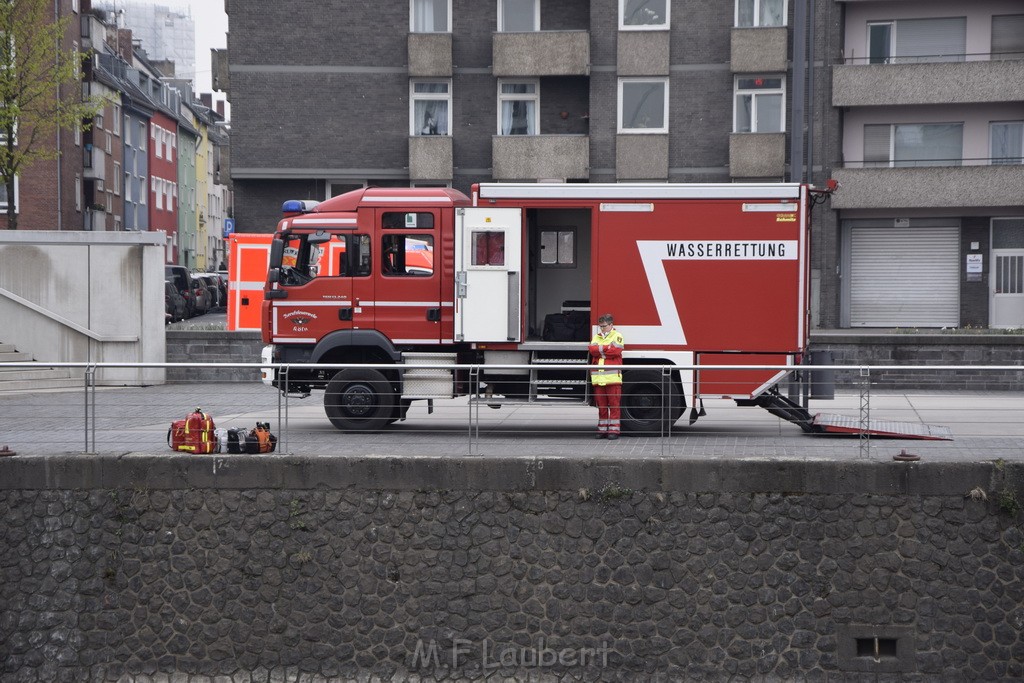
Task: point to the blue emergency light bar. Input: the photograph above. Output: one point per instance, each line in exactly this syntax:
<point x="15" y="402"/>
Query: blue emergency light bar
<point x="299" y="206"/>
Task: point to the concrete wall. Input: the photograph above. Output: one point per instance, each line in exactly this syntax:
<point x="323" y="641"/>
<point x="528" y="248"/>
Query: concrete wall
<point x="211" y="346"/>
<point x="329" y="568"/>
<point x="85" y="297"/>
<point x="927" y="349"/>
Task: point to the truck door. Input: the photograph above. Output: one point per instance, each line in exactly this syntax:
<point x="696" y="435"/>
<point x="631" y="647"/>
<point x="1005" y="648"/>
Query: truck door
<point x="407" y="299"/>
<point x="488" y="275"/>
<point x="317" y="276"/>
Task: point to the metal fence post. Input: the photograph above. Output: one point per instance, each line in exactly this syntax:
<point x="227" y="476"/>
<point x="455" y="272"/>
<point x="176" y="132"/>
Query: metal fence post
<point x="90" y="409"/>
<point x="865" y="413"/>
<point x="283" y="422"/>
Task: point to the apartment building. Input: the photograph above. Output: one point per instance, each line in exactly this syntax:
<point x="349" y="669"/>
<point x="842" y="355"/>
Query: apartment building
<point x="451" y="92"/>
<point x="931" y="206"/>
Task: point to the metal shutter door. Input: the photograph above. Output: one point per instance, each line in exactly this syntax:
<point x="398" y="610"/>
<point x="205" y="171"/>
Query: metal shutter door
<point x="905" y="277"/>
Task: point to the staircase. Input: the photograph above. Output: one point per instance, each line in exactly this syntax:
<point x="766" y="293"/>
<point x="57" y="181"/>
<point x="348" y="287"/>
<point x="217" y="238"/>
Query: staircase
<point x="13" y="378"/>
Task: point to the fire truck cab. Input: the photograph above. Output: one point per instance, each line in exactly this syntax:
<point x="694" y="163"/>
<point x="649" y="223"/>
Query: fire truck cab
<point x="517" y="274"/>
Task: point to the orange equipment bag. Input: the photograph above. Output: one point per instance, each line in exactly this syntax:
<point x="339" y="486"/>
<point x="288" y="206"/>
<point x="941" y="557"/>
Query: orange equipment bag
<point x="194" y="434"/>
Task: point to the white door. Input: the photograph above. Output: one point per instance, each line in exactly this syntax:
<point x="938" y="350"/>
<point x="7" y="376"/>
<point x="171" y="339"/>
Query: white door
<point x="488" y="261"/>
<point x="1007" y="285"/>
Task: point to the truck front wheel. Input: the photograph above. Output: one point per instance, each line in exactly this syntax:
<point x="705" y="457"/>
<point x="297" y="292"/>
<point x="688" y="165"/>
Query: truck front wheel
<point x="359" y="400"/>
<point x="651" y="404"/>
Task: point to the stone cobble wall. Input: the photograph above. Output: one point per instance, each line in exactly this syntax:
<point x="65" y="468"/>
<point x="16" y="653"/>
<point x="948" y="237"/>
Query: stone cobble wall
<point x="213" y="346"/>
<point x="317" y="583"/>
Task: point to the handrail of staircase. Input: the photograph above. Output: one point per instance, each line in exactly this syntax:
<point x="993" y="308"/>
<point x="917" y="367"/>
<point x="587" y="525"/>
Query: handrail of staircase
<point x="104" y="338"/>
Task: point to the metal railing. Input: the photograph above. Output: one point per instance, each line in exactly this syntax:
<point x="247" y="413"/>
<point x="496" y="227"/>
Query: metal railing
<point x="89" y="417"/>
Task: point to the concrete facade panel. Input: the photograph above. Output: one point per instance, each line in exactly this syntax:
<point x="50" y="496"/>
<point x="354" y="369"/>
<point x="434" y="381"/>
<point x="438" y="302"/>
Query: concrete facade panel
<point x="641" y="157"/>
<point x="759" y="50"/>
<point x="946" y="83"/>
<point x="643" y="53"/>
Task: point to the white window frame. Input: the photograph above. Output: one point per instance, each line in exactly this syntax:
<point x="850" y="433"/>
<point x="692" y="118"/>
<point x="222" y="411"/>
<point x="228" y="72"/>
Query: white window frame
<point x="536" y="16"/>
<point x="142" y="135"/>
<point x="1010" y="161"/>
<point x="117" y="178"/>
<point x="117" y="120"/>
<point x="754" y="93"/>
<point x="412" y="17"/>
<point x="158" y="190"/>
<point x="664" y="26"/>
<point x="513" y="97"/>
<point x="415" y="97"/>
<point x="757" y="15"/>
<point x="127" y="187"/>
<point x="621" y="128"/>
<point x="78" y="192"/>
<point x="3" y="204"/>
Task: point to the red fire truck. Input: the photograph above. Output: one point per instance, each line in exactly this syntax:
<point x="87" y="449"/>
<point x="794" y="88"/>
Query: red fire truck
<point x="517" y="274"/>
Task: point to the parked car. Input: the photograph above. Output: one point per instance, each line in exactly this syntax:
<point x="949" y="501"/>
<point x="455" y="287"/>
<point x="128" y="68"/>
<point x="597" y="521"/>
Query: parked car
<point x="201" y="296"/>
<point x="182" y="281"/>
<point x="175" y="308"/>
<point x="217" y="287"/>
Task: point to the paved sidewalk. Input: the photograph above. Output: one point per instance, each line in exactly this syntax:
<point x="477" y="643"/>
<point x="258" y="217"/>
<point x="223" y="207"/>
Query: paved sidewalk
<point x="985" y="426"/>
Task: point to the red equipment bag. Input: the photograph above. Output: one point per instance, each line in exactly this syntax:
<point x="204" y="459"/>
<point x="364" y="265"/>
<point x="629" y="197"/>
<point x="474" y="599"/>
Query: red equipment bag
<point x="194" y="434"/>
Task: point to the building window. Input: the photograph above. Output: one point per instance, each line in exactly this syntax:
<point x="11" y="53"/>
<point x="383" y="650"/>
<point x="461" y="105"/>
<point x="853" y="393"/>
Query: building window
<point x="1008" y="36"/>
<point x="760" y="105"/>
<point x="142" y="135"/>
<point x="127" y="132"/>
<point x="913" y="144"/>
<point x="518" y="15"/>
<point x="518" y="107"/>
<point x="431" y="108"/>
<point x="117" y="178"/>
<point x="127" y="188"/>
<point x="117" y="120"/>
<point x="98" y="121"/>
<point x="558" y="248"/>
<point x="407" y="255"/>
<point x="430" y="16"/>
<point x="107" y="143"/>
<point x="158" y="190"/>
<point x="4" y="199"/>
<point x="751" y="13"/>
<point x="1006" y="142"/>
<point x="917" y="40"/>
<point x="488" y="248"/>
<point x="643" y="105"/>
<point x="643" y="14"/>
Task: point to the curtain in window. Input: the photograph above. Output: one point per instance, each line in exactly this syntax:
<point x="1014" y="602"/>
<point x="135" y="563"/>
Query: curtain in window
<point x="429" y="16"/>
<point x="431" y="117"/>
<point x="1007" y="142"/>
<point x="643" y="13"/>
<point x="931" y="40"/>
<point x="932" y="144"/>
<point x="517" y="117"/>
<point x="772" y="13"/>
<point x="744" y="113"/>
<point x="877" y="141"/>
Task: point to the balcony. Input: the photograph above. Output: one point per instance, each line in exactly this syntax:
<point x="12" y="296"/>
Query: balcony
<point x="94" y="163"/>
<point x="536" y="157"/>
<point x="541" y="53"/>
<point x="758" y="50"/>
<point x="430" y="55"/>
<point x="931" y="187"/>
<point x="868" y="85"/>
<point x="757" y="155"/>
<point x="430" y="157"/>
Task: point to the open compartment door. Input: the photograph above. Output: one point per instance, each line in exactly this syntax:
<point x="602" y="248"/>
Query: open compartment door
<point x="488" y="284"/>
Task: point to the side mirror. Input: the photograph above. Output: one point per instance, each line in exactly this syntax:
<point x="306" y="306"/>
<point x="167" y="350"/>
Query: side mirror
<point x="274" y="275"/>
<point x="276" y="252"/>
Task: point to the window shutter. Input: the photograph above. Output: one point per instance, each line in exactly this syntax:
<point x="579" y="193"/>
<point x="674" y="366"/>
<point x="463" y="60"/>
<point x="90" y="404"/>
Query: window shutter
<point x="1008" y="36"/>
<point x="931" y="40"/>
<point x="877" y="140"/>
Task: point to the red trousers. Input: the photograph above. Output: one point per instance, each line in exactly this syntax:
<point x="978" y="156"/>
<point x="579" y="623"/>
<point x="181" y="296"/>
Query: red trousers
<point x="608" y="399"/>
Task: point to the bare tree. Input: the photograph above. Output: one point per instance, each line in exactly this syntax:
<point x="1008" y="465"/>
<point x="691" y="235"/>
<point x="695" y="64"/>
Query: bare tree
<point x="34" y="70"/>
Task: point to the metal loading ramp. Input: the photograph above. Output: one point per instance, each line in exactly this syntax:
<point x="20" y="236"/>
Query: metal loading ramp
<point x="843" y="424"/>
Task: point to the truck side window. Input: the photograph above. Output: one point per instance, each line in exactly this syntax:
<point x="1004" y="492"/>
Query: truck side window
<point x="407" y="255"/>
<point x="400" y="220"/>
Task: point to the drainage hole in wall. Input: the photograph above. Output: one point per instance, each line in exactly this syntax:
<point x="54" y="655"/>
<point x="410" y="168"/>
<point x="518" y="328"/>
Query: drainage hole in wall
<point x="876" y="648"/>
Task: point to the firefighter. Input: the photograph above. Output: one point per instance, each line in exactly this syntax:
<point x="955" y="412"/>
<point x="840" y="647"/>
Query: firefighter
<point x="606" y="351"/>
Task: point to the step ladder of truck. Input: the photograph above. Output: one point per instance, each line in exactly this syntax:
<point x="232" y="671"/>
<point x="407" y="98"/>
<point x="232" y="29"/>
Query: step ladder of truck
<point x="551" y="385"/>
<point x="825" y="423"/>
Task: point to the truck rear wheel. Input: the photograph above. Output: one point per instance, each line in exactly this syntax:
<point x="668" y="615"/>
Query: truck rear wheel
<point x="651" y="404"/>
<point x="359" y="400"/>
